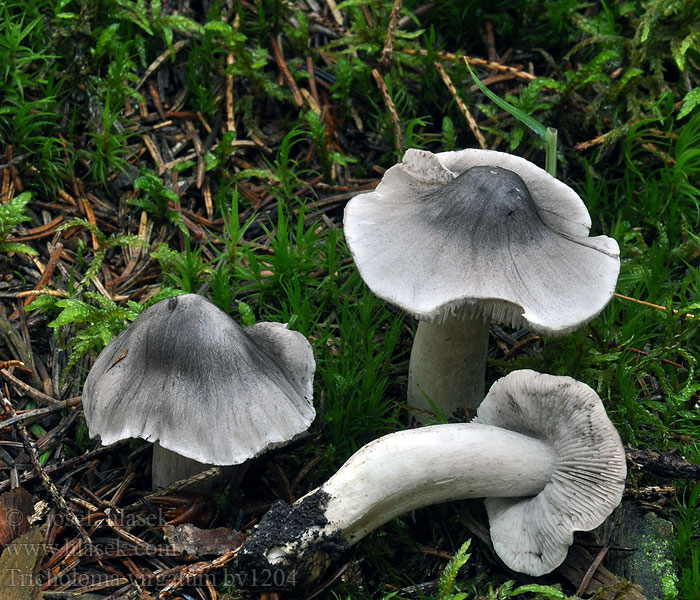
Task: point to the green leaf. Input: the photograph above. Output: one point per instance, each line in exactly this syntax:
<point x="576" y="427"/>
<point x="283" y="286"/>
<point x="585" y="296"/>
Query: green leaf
<point x="246" y="312"/>
<point x="183" y="24"/>
<point x="629" y="75"/>
<point x="516" y="137"/>
<point x="183" y="166"/>
<point x="523" y="117"/>
<point x="124" y="240"/>
<point x="678" y="51"/>
<point x="79" y="222"/>
<point x="449" y="574"/>
<point x="409" y="35"/>
<point x="73" y="311"/>
<point x="176" y="219"/>
<point x="104" y="39"/>
<point x="548" y="134"/>
<point x="12" y="214"/>
<point x="449" y="136"/>
<point x="42" y="302"/>
<point x="349" y="3"/>
<point x="7" y="247"/>
<point x="168" y="35"/>
<point x="690" y="101"/>
<point x="210" y="161"/>
<point x="543" y="590"/>
<point x="165" y="255"/>
<point x="219" y="27"/>
<point x="144" y="204"/>
<point x="259" y="173"/>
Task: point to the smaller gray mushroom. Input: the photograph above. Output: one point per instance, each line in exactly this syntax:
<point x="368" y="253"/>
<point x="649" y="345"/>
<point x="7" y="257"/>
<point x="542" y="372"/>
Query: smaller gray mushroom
<point x="541" y="451"/>
<point x="458" y="239"/>
<point x="205" y="390"/>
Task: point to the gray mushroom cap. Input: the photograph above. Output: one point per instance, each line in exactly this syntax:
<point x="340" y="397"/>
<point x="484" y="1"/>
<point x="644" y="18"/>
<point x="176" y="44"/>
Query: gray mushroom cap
<point x="533" y="534"/>
<point x="186" y="375"/>
<point x="481" y="231"/>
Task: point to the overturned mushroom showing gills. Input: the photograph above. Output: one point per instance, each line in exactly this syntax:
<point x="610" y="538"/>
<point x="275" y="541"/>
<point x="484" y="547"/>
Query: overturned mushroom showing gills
<point x="460" y="238"/>
<point x="542" y="451"/>
<point x="207" y="391"/>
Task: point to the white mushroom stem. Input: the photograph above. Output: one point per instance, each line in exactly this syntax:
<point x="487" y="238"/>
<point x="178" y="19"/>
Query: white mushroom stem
<point x="419" y="467"/>
<point x="410" y="469"/>
<point x="168" y="467"/>
<point x="448" y="365"/>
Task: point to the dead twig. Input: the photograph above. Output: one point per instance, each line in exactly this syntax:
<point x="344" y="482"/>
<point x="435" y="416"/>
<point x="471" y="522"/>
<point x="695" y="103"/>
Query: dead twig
<point x="40" y="413"/>
<point x="32" y="293"/>
<point x="279" y="59"/>
<point x="662" y="464"/>
<point x="105" y="518"/>
<point x="65" y="465"/>
<point x="48" y="271"/>
<point x="197" y="570"/>
<point x="337" y="15"/>
<point x="28" y="389"/>
<point x="650" y="305"/>
<point x="153" y="67"/>
<point x="521" y="344"/>
<point x="154" y="152"/>
<point x="591" y="571"/>
<point x="478" y="62"/>
<point x="330" y="581"/>
<point x="398" y="136"/>
<point x="30" y="448"/>
<point x="90" y="215"/>
<point x="602" y="583"/>
<point x="42" y="231"/>
<point x="461" y="105"/>
<point x="385" y="59"/>
<point x="178" y="485"/>
<point x="663" y="360"/>
<point x="230" y="115"/>
<point x="102" y="585"/>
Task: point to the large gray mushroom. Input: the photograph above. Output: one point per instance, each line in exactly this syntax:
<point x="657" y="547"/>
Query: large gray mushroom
<point x="207" y="391"/>
<point x="541" y="450"/>
<point x="460" y="238"/>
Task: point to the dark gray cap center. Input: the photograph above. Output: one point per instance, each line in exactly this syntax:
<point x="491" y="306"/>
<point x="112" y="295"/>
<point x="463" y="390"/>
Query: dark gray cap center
<point x="490" y="203"/>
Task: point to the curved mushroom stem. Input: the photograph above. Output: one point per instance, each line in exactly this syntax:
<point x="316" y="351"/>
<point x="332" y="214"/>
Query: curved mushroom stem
<point x="448" y="365"/>
<point x="392" y="475"/>
<point x="410" y="469"/>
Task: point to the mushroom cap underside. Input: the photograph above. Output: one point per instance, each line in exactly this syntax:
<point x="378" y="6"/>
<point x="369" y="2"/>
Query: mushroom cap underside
<point x="481" y="242"/>
<point x="532" y="535"/>
<point x="186" y="375"/>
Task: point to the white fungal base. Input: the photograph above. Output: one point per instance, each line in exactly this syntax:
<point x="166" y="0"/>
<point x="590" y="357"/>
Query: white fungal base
<point x="448" y="365"/>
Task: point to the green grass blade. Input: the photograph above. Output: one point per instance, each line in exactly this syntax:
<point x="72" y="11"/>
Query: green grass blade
<point x="551" y="156"/>
<point x="548" y="134"/>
